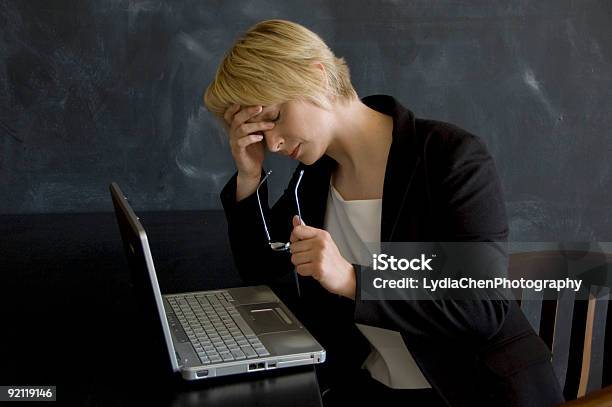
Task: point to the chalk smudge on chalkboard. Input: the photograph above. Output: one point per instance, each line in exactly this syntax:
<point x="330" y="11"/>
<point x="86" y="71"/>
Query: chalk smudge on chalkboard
<point x="543" y="220"/>
<point x="201" y="155"/>
<point x="194" y="46"/>
<point x="534" y="84"/>
<point x="135" y="6"/>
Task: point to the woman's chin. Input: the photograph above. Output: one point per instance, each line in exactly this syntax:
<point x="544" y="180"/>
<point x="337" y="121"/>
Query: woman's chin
<point x="307" y="157"/>
<point x="307" y="160"/>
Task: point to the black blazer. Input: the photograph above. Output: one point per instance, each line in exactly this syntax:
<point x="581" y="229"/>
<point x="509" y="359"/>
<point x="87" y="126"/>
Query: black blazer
<point x="440" y="185"/>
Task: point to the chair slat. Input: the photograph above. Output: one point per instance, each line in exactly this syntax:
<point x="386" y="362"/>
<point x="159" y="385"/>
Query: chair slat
<point x="561" y="338"/>
<point x="594" y="337"/>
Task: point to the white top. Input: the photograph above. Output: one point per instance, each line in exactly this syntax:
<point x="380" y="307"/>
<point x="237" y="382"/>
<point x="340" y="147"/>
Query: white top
<point x="352" y="224"/>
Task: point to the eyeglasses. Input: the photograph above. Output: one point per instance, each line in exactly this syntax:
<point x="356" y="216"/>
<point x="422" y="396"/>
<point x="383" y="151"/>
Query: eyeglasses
<point x="279" y="246"/>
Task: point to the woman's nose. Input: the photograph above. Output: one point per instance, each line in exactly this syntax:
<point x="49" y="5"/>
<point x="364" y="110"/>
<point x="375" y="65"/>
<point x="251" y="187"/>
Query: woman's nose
<point x="275" y="142"/>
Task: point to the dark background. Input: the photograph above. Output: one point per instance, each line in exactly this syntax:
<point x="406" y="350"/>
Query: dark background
<point x="111" y="90"/>
<point x="96" y="91"/>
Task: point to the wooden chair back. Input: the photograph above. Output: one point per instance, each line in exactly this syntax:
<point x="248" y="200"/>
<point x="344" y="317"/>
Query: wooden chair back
<point x="573" y="324"/>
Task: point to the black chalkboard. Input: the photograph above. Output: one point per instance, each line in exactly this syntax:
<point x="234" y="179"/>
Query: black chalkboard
<point x="111" y="90"/>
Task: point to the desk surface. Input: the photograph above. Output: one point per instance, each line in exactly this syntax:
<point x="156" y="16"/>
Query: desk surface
<point x="68" y="311"/>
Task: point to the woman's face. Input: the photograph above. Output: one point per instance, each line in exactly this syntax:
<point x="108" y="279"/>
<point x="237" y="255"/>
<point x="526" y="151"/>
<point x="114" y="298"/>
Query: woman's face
<point x="302" y="130"/>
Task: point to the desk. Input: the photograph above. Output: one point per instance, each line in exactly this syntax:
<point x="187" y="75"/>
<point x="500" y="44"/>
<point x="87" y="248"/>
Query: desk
<point x="67" y="311"/>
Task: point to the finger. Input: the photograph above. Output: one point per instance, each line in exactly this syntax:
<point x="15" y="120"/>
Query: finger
<point x="297" y="221"/>
<point x="257" y="116"/>
<point x="248" y="128"/>
<point x="306" y="270"/>
<point x="301" y="258"/>
<point x="303" y="245"/>
<point x="244" y="142"/>
<point x="301" y="232"/>
<point x="244" y="114"/>
<point x="230" y="112"/>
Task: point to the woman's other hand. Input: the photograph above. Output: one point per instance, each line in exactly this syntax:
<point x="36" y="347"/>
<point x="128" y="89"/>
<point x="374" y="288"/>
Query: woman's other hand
<point x="314" y="254"/>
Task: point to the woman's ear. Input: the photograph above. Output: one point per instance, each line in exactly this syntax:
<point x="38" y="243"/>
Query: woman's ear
<point x="319" y="66"/>
<point x="325" y="80"/>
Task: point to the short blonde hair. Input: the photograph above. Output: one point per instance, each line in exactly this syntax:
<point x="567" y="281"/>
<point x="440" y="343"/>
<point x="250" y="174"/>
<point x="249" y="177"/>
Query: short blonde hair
<point x="273" y="63"/>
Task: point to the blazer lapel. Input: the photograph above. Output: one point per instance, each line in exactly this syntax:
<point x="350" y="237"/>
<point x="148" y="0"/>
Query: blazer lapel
<point x="402" y="162"/>
<point x="398" y="179"/>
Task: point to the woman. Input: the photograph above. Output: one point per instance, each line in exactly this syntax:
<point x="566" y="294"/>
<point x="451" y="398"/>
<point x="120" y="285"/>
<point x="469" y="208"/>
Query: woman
<point x="372" y="172"/>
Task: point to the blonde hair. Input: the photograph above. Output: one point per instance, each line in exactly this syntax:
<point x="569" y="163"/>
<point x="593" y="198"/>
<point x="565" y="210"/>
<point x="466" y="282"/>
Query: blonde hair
<point x="273" y="63"/>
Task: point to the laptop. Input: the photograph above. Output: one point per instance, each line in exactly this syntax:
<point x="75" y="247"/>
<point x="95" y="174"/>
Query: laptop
<point x="217" y="332"/>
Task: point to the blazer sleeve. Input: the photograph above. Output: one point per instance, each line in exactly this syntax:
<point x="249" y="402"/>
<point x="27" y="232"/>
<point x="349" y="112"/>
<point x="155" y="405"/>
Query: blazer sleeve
<point x="466" y="195"/>
<point x="255" y="261"/>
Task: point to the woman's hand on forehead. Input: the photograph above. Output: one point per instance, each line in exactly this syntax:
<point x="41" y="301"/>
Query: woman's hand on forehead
<point x="265" y="114"/>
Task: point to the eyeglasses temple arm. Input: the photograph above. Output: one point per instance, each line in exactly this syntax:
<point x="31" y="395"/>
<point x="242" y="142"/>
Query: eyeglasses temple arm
<point x="297" y="201"/>
<point x="263" y="218"/>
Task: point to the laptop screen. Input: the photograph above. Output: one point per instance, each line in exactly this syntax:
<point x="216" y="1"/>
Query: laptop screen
<point x="140" y="262"/>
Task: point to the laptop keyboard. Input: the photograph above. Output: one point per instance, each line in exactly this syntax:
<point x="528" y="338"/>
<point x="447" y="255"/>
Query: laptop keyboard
<point x="215" y="328"/>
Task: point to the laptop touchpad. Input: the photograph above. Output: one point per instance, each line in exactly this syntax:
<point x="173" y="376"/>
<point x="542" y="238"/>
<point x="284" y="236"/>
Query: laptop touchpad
<point x="266" y="318"/>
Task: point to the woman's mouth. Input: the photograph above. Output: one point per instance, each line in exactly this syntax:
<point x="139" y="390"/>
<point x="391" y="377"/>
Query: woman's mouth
<point x="295" y="152"/>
